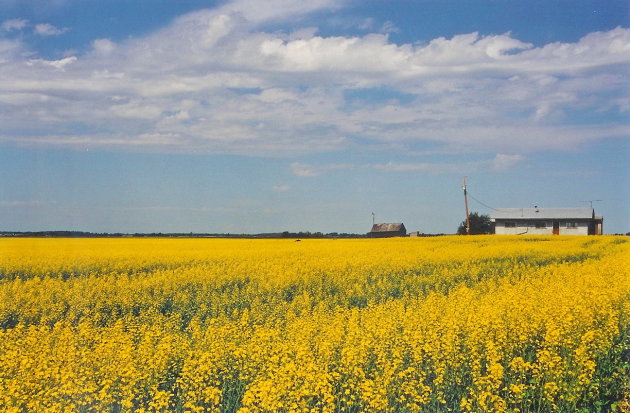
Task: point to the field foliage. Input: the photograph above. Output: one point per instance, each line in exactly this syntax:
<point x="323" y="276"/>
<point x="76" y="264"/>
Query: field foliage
<point x="470" y="324"/>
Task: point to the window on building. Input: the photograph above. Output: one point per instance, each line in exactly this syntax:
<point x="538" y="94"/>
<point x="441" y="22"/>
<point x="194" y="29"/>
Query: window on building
<point x="510" y="225"/>
<point x="541" y="224"/>
<point x="572" y="224"/>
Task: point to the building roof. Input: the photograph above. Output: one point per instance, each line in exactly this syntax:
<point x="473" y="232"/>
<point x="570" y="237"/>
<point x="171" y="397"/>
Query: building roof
<point x="544" y="213"/>
<point x="394" y="227"/>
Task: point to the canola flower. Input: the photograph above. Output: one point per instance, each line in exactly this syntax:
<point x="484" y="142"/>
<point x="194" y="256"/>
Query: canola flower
<point x="460" y="324"/>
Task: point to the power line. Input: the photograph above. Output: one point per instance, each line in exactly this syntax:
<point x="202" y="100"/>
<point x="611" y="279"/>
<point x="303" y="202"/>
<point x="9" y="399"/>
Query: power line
<point x="486" y="205"/>
<point x="479" y="202"/>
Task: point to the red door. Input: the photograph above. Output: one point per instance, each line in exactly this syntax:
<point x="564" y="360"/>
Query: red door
<point x="556" y="227"/>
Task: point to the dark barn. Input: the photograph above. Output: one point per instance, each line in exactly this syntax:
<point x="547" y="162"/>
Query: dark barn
<point x="388" y="230"/>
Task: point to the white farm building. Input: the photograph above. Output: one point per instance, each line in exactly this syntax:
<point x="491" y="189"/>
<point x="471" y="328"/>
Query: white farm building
<point x="547" y="221"/>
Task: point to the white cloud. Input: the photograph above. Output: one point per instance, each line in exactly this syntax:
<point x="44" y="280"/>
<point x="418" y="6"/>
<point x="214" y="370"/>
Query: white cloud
<point x="389" y="27"/>
<point x="301" y="169"/>
<point x="253" y="92"/>
<point x="464" y="53"/>
<point x="137" y="109"/>
<point x="435" y="168"/>
<point x="404" y="167"/>
<point x="593" y="50"/>
<point x="9" y="50"/>
<point x="103" y="46"/>
<point x="57" y="64"/>
<point x="14" y="24"/>
<point x="503" y="162"/>
<point x="366" y="24"/>
<point x="258" y="11"/>
<point x="46" y="29"/>
<point x="308" y="170"/>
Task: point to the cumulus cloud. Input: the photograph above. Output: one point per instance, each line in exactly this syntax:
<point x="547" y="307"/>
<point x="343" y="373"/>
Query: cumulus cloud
<point x="215" y="81"/>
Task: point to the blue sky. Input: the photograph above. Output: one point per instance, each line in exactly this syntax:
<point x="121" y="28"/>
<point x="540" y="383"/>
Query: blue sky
<point x="250" y="116"/>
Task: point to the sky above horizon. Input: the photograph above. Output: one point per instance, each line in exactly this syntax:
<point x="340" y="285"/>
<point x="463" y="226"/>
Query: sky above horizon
<point x="251" y="116"/>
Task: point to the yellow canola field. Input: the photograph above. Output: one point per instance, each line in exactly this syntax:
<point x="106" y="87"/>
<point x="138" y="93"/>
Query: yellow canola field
<point x="445" y="324"/>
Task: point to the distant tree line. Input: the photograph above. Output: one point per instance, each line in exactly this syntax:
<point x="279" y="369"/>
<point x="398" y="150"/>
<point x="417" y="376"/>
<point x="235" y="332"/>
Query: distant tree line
<point x="308" y="234"/>
<point x="83" y="234"/>
<point x="60" y="234"/>
<point x="479" y="224"/>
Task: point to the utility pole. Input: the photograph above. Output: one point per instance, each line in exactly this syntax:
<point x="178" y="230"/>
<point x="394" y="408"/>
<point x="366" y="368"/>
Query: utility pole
<point x="466" y="203"/>
<point x="373" y="214"/>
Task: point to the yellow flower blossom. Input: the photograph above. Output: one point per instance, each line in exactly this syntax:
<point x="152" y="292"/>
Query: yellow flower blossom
<point x="472" y="324"/>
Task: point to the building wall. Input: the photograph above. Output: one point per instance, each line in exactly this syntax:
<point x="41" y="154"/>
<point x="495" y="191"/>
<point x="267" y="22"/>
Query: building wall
<point x="522" y="228"/>
<point x="581" y="228"/>
<point x="540" y="227"/>
<point x="387" y="234"/>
